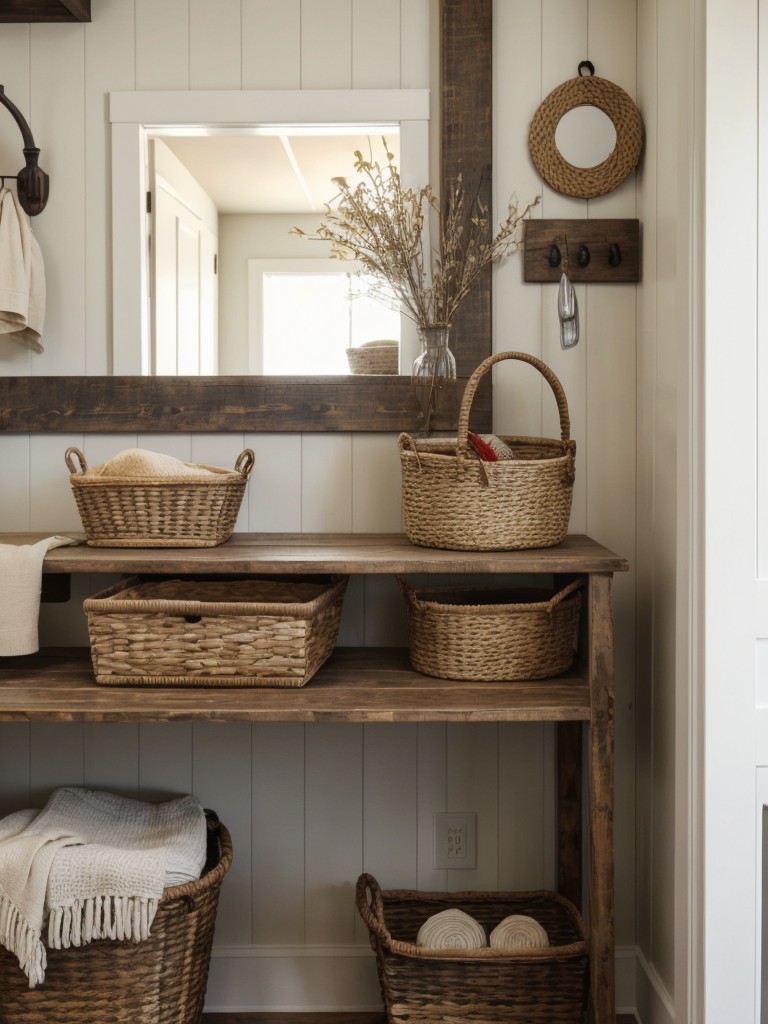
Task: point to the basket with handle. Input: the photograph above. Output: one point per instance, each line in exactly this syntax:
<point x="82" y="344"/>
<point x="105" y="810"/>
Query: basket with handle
<point x="158" y="512"/>
<point x="453" y="500"/>
<point x="487" y="633"/>
<point x="424" y="985"/>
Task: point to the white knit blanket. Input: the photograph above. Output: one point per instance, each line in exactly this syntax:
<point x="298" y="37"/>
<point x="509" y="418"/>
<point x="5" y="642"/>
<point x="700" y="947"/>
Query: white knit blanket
<point x="91" y="865"/>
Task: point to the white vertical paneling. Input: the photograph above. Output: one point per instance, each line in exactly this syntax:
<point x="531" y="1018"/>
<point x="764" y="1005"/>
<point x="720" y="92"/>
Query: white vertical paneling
<point x="525" y="805"/>
<point x="111" y="757"/>
<point x="222" y="451"/>
<point x="433" y="783"/>
<point x="14" y="500"/>
<point x="52" y="504"/>
<point x="352" y="626"/>
<point x="221" y="778"/>
<point x="472" y="785"/>
<point x="415" y="29"/>
<point x="386" y="623"/>
<point x="177" y="445"/>
<point x="214" y="44"/>
<point x="14" y="766"/>
<point x="162" y="44"/>
<point x="57" y="69"/>
<point x="165" y="760"/>
<point x="376" y="484"/>
<point x="64" y="625"/>
<point x="333" y="839"/>
<point x="375" y="44"/>
<point x="326" y="44"/>
<point x="326" y="496"/>
<point x="274" y="492"/>
<point x="109" y="66"/>
<point x="128" y="301"/>
<point x="271" y="44"/>
<point x="277" y="831"/>
<point x="56" y="758"/>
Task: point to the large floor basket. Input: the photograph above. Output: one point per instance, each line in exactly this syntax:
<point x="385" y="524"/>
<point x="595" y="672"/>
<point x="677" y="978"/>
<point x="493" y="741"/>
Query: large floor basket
<point x="158" y="512"/>
<point x="161" y="980"/>
<point x="547" y="985"/>
<point x="453" y="500"/>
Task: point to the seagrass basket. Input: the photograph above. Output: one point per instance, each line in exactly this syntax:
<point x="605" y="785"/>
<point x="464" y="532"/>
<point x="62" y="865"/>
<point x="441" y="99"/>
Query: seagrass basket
<point x="486" y="633"/>
<point x="210" y="631"/>
<point x="450" y="499"/>
<point x="160" y="980"/>
<point x="374" y="358"/>
<point x="420" y="985"/>
<point x="158" y="512"/>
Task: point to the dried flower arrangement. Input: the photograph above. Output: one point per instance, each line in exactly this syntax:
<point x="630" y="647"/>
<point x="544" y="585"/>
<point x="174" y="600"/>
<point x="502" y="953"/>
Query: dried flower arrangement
<point x="384" y="226"/>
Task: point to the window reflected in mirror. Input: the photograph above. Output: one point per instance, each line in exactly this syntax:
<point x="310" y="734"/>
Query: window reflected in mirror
<point x="232" y="291"/>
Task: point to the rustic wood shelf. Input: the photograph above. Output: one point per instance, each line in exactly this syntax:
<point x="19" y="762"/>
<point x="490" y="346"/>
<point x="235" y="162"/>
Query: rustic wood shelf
<point x="357" y="685"/>
<point x="376" y="684"/>
<point x="45" y="10"/>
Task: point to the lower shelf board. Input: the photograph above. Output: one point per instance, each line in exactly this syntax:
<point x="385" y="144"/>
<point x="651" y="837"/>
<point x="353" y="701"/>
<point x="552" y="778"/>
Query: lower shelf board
<point x="323" y="1018"/>
<point x="355" y="685"/>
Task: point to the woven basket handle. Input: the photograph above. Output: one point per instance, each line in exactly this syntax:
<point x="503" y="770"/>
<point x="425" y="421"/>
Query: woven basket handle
<point x="244" y="463"/>
<point x="562" y="594"/>
<point x="482" y="369"/>
<point x="69" y="457"/>
<point x="370" y="904"/>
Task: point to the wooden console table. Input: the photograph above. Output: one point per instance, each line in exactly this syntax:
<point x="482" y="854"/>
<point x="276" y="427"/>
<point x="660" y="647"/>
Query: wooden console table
<point x="378" y="684"/>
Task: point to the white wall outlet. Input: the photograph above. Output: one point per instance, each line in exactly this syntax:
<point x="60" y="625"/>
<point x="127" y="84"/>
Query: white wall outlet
<point x="455" y="840"/>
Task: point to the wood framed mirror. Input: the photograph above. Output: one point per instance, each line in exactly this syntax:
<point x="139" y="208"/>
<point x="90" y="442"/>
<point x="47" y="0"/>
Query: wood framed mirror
<point x="282" y="404"/>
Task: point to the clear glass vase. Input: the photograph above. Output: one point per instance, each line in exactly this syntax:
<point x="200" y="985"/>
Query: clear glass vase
<point x="434" y="376"/>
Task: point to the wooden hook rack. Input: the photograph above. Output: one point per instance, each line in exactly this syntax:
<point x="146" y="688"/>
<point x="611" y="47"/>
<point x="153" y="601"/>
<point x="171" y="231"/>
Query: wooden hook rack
<point x="588" y="251"/>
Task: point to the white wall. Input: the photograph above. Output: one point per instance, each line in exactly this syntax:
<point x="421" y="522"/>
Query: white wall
<point x="287" y="921"/>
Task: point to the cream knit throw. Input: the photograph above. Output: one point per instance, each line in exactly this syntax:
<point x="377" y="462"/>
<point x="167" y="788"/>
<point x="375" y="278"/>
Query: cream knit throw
<point x="21" y="577"/>
<point x="91" y="865"/>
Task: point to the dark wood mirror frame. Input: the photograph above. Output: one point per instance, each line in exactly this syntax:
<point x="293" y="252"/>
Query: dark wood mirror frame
<point x="242" y="404"/>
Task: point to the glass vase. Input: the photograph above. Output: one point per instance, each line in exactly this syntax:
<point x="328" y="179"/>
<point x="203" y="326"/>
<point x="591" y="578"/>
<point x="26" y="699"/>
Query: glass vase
<point x="434" y="376"/>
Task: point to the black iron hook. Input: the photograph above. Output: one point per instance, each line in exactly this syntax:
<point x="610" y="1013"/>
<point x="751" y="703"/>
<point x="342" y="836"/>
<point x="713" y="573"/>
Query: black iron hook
<point x="32" y="182"/>
<point x="587" y="65"/>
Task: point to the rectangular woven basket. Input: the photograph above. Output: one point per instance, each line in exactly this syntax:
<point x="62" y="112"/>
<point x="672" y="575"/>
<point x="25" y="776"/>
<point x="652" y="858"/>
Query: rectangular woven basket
<point x="487" y="633"/>
<point x="161" y="980"/>
<point x="453" y="500"/>
<point x="213" y="632"/>
<point x="419" y="985"/>
<point x="158" y="512"/>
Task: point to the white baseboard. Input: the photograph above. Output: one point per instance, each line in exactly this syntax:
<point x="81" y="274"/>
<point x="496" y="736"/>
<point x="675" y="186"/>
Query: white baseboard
<point x="654" y="1004"/>
<point x="295" y="979"/>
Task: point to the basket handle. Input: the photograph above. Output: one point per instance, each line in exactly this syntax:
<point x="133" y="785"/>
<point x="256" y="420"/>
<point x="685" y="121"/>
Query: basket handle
<point x="370" y="904"/>
<point x="244" y="463"/>
<point x="69" y="457"/>
<point x="562" y="594"/>
<point x="474" y="381"/>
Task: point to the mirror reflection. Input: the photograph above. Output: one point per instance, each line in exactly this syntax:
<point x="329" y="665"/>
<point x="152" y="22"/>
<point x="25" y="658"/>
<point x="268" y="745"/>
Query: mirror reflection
<point x="585" y="136"/>
<point x="231" y="290"/>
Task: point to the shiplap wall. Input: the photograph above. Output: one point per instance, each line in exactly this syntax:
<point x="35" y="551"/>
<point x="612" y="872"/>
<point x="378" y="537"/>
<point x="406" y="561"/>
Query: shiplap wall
<point x="311" y="806"/>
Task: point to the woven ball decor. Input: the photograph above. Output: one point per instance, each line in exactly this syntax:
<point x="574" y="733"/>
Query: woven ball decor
<point x="559" y="173"/>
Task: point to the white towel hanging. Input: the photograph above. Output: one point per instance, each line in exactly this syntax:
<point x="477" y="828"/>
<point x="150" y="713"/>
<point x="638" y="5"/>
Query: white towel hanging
<point x="22" y="276"/>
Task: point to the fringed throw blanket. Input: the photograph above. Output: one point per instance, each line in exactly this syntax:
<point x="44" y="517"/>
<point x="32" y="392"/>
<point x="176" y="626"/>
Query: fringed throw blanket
<point x="91" y="865"/>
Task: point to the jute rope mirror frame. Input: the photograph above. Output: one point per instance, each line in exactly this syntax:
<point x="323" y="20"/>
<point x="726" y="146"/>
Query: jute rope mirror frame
<point x="583" y="91"/>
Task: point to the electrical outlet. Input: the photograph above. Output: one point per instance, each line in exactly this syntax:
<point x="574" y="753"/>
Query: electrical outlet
<point x="455" y="840"/>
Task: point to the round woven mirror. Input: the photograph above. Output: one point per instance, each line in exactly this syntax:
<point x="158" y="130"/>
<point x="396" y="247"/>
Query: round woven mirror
<point x="616" y="104"/>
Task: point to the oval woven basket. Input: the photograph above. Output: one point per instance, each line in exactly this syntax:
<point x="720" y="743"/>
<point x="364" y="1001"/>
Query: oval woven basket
<point x="452" y="500"/>
<point x="161" y="980"/>
<point x="491" y="633"/>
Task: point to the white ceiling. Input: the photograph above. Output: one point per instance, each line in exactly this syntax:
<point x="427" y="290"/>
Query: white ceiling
<point x="276" y="173"/>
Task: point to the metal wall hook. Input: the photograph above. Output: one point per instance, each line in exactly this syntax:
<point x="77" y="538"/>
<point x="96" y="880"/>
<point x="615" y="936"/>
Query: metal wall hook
<point x="586" y="65"/>
<point x="554" y="259"/>
<point x="583" y="256"/>
<point x="31" y="182"/>
<point x="614" y="254"/>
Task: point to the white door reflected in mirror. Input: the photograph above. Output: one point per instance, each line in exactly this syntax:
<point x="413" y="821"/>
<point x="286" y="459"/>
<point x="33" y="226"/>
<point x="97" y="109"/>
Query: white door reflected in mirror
<point x="585" y="136"/>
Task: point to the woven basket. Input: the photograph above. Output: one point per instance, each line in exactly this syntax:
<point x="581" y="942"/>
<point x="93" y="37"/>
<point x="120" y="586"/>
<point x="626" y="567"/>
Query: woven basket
<point x="378" y="359"/>
<point x="213" y="632"/>
<point x="548" y="985"/>
<point x="160" y="980"/>
<point x="453" y="500"/>
<point x="492" y="633"/>
<point x="158" y="512"/>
